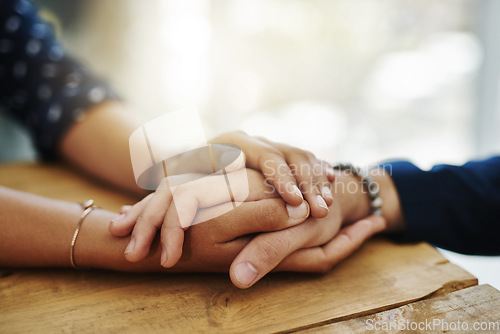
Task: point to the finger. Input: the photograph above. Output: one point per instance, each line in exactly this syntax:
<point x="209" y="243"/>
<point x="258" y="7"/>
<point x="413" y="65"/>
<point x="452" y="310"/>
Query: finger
<point x="330" y="174"/>
<point x="235" y="226"/>
<point x="309" y="175"/>
<point x="206" y="192"/>
<point x="226" y="157"/>
<point x="267" y="250"/>
<point x="275" y="168"/>
<point x="330" y="178"/>
<point x="148" y="222"/>
<point x="124" y="224"/>
<point x="172" y="236"/>
<point x="204" y="251"/>
<point x="323" y="172"/>
<point x="237" y="186"/>
<point x="213" y="213"/>
<point x="125" y="208"/>
<point x="253" y="217"/>
<point x="320" y="170"/>
<point x="260" y="188"/>
<point x="202" y="193"/>
<point x="266" y="158"/>
<point x="323" y="258"/>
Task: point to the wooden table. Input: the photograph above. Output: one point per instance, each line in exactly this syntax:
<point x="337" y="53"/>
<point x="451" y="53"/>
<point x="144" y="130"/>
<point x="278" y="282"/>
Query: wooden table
<point x="381" y="283"/>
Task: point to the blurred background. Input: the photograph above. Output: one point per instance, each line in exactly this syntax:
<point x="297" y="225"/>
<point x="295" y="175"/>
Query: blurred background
<point x="358" y="81"/>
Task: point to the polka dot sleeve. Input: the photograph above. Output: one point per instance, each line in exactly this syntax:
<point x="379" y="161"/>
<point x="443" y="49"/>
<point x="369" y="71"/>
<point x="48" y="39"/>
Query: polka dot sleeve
<point x="40" y="85"/>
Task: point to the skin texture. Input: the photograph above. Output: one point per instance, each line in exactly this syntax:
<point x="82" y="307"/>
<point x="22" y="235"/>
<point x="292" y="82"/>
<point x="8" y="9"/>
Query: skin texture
<point x="37" y="232"/>
<point x="283" y="166"/>
<point x="318" y="244"/>
<point x="198" y="194"/>
<point x="98" y="145"/>
<point x="296" y="175"/>
<point x="218" y="245"/>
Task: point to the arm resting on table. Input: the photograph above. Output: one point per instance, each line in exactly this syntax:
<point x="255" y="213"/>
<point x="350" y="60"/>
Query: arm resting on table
<point x="37" y="232"/>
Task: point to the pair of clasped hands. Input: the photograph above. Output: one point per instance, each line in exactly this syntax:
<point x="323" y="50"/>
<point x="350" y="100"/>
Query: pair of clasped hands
<point x="290" y="220"/>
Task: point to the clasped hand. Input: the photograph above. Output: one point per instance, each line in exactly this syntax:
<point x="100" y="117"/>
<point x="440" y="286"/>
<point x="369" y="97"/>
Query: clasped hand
<point x="288" y="222"/>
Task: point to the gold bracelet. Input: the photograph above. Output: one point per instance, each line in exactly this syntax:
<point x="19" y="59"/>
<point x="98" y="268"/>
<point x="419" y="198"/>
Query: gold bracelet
<point x="87" y="209"/>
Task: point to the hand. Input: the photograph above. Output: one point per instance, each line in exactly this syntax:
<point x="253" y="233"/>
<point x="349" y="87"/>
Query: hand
<point x="293" y="250"/>
<point x="322" y="259"/>
<point x="157" y="210"/>
<point x="170" y="212"/>
<point x="315" y="245"/>
<point x="213" y="245"/>
<point x="288" y="169"/>
<point x="208" y="247"/>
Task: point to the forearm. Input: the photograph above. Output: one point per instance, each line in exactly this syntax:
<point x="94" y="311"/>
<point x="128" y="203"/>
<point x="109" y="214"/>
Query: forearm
<point x="97" y="248"/>
<point x="99" y="145"/>
<point x="37" y="232"/>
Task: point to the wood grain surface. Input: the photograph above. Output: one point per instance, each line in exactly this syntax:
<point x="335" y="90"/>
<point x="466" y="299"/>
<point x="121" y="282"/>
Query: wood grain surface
<point x="472" y="310"/>
<point x="381" y="275"/>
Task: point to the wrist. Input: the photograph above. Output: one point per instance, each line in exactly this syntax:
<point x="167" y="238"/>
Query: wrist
<point x="391" y="210"/>
<point x="355" y="201"/>
<point x="97" y="248"/>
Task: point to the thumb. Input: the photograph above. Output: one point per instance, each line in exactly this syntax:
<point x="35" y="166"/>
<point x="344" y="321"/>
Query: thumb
<point x="347" y="241"/>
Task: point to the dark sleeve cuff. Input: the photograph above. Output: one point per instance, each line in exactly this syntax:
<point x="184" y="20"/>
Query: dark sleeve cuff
<point x="417" y="201"/>
<point x="453" y="207"/>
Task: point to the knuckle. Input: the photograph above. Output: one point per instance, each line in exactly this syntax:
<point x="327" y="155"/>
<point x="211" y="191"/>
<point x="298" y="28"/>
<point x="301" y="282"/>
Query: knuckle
<point x="240" y="132"/>
<point x="270" y="214"/>
<point x="147" y="221"/>
<point x="345" y="238"/>
<point x="267" y="162"/>
<point x="180" y="190"/>
<point x="260" y="138"/>
<point x="302" y="155"/>
<point x="273" y="248"/>
<point x="309" y="155"/>
<point x="273" y="153"/>
<point x="141" y="219"/>
<point x="269" y="252"/>
<point x="184" y="192"/>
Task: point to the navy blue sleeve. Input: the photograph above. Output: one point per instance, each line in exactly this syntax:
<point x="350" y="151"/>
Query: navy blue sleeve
<point x="41" y="86"/>
<point x="453" y="207"/>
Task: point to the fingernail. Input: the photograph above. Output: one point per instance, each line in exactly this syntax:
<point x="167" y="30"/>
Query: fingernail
<point x="326" y="192"/>
<point x="321" y="202"/>
<point x="130" y="246"/>
<point x="297" y="191"/>
<point x="297" y="212"/>
<point x="119" y="218"/>
<point x="163" y="256"/>
<point x="245" y="273"/>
